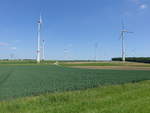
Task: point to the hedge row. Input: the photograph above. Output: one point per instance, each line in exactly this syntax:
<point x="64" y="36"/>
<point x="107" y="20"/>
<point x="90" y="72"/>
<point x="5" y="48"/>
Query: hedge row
<point x="134" y="59"/>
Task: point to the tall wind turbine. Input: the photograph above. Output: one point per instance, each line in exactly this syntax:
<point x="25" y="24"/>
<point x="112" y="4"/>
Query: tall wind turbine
<point x="39" y="39"/>
<point x="123" y="32"/>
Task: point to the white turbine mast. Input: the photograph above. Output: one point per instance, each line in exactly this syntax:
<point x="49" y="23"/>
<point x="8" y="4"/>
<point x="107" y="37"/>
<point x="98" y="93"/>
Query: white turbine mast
<point x="123" y="32"/>
<point x="95" y="54"/>
<point x="43" y="50"/>
<point x="39" y="39"/>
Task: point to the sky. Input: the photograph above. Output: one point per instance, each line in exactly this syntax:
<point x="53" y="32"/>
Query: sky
<point x="74" y="29"/>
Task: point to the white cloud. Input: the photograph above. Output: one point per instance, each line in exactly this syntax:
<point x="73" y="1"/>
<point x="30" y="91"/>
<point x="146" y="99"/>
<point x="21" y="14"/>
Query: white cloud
<point x="13" y="48"/>
<point x="16" y="41"/>
<point x="143" y="6"/>
<point x="4" y="44"/>
<point x="140" y="4"/>
<point x="7" y="46"/>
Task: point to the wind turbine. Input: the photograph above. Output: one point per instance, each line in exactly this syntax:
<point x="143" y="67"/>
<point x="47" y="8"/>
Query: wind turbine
<point x="66" y="51"/>
<point x="123" y="32"/>
<point x="43" y="50"/>
<point x="95" y="46"/>
<point x="39" y="39"/>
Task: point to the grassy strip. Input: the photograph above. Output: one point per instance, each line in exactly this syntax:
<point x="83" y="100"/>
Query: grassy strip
<point x="25" y="62"/>
<point x="72" y="63"/>
<point x="127" y="98"/>
<point x="106" y="64"/>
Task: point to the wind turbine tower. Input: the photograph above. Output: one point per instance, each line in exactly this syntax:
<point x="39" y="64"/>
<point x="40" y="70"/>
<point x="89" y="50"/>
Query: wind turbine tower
<point x="39" y="39"/>
<point x="95" y="46"/>
<point x="43" y="50"/>
<point x="123" y="32"/>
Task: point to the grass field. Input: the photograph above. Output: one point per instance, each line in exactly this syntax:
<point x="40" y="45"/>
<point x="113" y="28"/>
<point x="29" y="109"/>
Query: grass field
<point x="104" y="64"/>
<point x="126" y="98"/>
<point x="25" y="62"/>
<point x="28" y="80"/>
<point x="45" y="88"/>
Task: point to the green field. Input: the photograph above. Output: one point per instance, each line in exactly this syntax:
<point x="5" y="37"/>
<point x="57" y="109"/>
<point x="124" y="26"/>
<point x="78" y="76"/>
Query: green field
<point x="104" y="64"/>
<point x="127" y="98"/>
<point x="28" y="80"/>
<point x="25" y="62"/>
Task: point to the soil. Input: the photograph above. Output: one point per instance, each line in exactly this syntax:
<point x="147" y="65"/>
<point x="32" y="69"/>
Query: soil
<point x="113" y="67"/>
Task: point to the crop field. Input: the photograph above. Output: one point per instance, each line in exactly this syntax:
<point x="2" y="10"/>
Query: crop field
<point x="30" y="79"/>
<point x="124" y="98"/>
<point x="105" y="64"/>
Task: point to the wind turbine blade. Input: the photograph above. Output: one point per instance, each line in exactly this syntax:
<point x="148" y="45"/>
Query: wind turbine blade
<point x="130" y="32"/>
<point x="122" y="25"/>
<point x="120" y="37"/>
<point x="40" y="19"/>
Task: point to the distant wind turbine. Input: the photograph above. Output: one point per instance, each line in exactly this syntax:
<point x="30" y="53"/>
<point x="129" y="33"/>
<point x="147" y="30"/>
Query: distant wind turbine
<point x="43" y="50"/>
<point x="95" y="46"/>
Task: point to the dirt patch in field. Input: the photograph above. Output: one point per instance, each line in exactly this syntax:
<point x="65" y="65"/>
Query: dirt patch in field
<point x="80" y="62"/>
<point x="125" y="64"/>
<point x="113" y="67"/>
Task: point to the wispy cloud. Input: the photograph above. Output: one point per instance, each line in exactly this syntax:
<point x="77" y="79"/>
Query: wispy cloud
<point x="13" y="48"/>
<point x="7" y="46"/>
<point x="141" y="5"/>
<point x="4" y="44"/>
<point x="16" y="41"/>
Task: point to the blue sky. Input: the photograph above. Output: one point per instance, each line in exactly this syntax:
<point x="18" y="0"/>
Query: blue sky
<point x="71" y="28"/>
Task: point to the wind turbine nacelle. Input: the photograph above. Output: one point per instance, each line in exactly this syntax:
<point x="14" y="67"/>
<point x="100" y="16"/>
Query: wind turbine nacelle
<point x="39" y="22"/>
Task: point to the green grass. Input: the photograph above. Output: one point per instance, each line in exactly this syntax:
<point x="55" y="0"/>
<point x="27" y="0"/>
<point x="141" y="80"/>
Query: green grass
<point x="126" y="98"/>
<point x="25" y="62"/>
<point x="28" y="80"/>
<point x="106" y="64"/>
<point x="93" y="64"/>
<point x="74" y="63"/>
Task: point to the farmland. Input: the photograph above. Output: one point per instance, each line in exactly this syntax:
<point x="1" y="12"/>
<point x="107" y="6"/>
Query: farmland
<point x="105" y="64"/>
<point x="126" y="98"/>
<point x="30" y="79"/>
